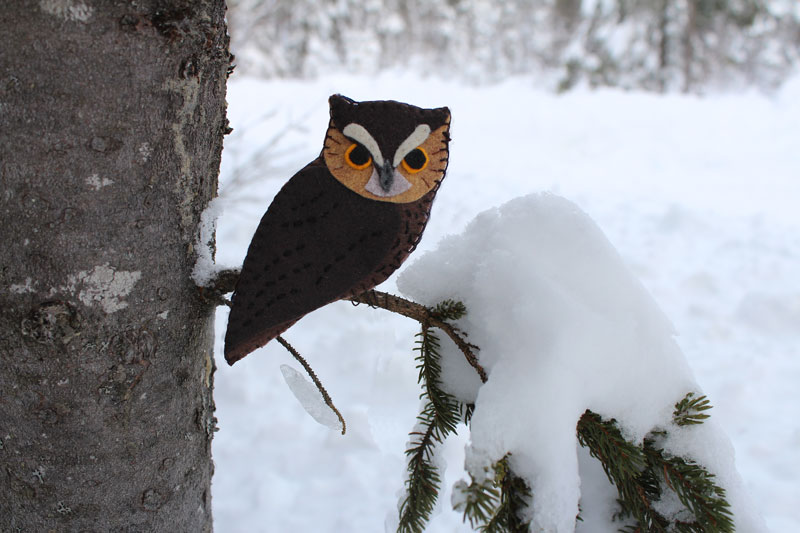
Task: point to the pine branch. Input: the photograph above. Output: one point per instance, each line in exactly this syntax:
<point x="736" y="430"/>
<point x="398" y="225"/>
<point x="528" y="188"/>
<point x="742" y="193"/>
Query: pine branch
<point x="422" y="485"/>
<point x="436" y="317"/>
<point x="625" y="466"/>
<point x="693" y="484"/>
<point x="445" y="409"/>
<point x="690" y="409"/>
<point x="448" y="310"/>
<point x="494" y="505"/>
<point x="466" y="413"/>
<point x="696" y="490"/>
<point x="514" y="496"/>
<point x="439" y="418"/>
<point x="644" y="474"/>
<point x="478" y="500"/>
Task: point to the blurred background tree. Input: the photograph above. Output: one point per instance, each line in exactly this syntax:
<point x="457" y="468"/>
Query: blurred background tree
<point x="659" y="45"/>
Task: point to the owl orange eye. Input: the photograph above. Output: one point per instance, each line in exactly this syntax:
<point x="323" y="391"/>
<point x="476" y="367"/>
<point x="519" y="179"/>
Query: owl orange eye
<point x="415" y="161"/>
<point x="357" y="156"/>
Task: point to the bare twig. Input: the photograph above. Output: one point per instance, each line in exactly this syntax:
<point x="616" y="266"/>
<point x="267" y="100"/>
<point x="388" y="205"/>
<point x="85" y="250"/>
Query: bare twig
<point x="313" y="376"/>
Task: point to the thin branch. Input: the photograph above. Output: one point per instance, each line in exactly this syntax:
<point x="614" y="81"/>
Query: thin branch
<point x="313" y="376"/>
<point x="225" y="282"/>
<point x="424" y="316"/>
<point x="222" y="283"/>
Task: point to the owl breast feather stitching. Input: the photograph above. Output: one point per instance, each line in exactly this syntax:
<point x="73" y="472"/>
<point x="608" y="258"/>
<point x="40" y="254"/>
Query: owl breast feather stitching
<point x="345" y="222"/>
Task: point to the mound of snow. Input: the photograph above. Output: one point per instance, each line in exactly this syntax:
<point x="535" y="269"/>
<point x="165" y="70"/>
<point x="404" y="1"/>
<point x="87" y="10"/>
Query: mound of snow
<point x="562" y="326"/>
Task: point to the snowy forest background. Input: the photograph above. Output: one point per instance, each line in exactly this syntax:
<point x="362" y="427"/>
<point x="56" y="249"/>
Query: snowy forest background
<point x="673" y="124"/>
<point x="661" y="45"/>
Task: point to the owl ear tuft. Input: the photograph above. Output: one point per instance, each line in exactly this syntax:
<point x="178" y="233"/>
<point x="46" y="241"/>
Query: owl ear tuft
<point x="442" y="113"/>
<point x="342" y="108"/>
<point x="339" y="101"/>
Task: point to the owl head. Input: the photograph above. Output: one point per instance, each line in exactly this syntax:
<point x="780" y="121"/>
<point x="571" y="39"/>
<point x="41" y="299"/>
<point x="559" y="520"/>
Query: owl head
<point x="386" y="150"/>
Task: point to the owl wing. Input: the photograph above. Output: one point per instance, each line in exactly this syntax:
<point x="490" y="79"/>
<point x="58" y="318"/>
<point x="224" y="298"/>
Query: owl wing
<point x="317" y="243"/>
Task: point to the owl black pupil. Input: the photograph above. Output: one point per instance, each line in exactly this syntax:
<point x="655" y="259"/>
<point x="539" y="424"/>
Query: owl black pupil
<point x="359" y="155"/>
<point x="415" y="159"/>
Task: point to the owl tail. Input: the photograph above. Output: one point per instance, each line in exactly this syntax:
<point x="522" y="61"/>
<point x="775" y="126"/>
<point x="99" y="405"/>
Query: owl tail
<point x="240" y="340"/>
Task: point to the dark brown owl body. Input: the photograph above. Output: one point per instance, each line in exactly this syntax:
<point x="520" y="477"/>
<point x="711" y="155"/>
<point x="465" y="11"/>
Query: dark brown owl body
<point x="319" y="242"/>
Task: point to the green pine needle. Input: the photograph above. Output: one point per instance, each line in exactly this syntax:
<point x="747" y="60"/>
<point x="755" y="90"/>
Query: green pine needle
<point x="643" y="474"/>
<point x="466" y="412"/>
<point x="422" y="486"/>
<point x="480" y="501"/>
<point x="448" y="310"/>
<point x="494" y="504"/>
<point x="439" y="418"/>
<point x="689" y="410"/>
<point x="695" y="488"/>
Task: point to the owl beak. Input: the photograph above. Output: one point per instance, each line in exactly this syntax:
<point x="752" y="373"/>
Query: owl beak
<point x="386" y="181"/>
<point x="385" y="176"/>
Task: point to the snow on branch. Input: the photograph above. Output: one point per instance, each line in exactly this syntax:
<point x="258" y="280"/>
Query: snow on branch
<point x="566" y="332"/>
<point x="566" y="349"/>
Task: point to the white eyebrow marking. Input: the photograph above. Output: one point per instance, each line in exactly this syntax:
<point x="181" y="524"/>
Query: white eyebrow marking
<point x="358" y="133"/>
<point x="415" y="139"/>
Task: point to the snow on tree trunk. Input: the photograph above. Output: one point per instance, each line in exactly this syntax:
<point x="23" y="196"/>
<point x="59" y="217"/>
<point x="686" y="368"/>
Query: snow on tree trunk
<point x="111" y="124"/>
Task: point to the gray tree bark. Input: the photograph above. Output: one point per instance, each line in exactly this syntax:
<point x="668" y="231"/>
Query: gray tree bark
<point x="112" y="116"/>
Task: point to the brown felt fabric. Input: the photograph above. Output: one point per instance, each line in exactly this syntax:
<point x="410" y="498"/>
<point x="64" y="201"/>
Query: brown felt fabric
<point x="389" y="122"/>
<point x="319" y="241"/>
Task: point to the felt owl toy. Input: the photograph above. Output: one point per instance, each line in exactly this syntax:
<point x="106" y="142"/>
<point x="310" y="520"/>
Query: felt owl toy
<point x="345" y="222"/>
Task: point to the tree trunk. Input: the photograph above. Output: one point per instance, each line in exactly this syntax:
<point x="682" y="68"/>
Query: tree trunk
<point x="691" y="33"/>
<point x="111" y="123"/>
<point x="663" y="45"/>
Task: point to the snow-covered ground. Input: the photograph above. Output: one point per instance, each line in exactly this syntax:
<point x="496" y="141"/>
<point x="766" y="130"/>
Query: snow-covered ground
<point x="698" y="195"/>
